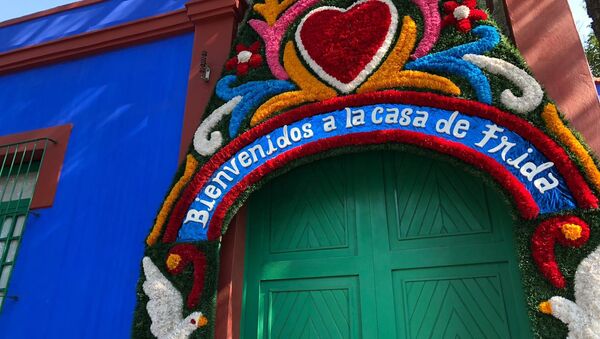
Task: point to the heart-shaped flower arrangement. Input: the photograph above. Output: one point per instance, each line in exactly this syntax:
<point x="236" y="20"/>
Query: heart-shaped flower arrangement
<point x="344" y="46"/>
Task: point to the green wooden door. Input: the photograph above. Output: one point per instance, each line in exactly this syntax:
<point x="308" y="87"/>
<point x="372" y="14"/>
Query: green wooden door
<point x="381" y="245"/>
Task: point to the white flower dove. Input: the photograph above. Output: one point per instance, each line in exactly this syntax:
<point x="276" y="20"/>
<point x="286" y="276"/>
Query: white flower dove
<point x="582" y="316"/>
<point x="165" y="306"/>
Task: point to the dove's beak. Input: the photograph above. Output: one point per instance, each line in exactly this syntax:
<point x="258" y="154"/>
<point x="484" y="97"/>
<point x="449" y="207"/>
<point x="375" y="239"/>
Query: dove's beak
<point x="545" y="307"/>
<point x="202" y="321"/>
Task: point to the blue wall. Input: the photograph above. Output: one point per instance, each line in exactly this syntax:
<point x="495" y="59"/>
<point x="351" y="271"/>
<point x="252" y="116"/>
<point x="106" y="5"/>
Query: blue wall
<point x="79" y="260"/>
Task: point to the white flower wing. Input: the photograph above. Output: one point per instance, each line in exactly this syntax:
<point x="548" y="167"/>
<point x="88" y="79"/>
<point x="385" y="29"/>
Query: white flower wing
<point x="587" y="284"/>
<point x="165" y="306"/>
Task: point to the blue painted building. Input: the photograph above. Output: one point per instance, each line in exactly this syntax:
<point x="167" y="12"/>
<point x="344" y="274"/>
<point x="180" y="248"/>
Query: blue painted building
<point x="116" y="72"/>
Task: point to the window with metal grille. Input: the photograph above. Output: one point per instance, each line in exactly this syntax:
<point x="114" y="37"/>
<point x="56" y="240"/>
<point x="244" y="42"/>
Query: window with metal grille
<point x="19" y="169"/>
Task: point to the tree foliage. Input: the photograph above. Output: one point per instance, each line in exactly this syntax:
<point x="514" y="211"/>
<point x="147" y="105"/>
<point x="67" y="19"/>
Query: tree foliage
<point x="593" y="9"/>
<point x="592" y="51"/>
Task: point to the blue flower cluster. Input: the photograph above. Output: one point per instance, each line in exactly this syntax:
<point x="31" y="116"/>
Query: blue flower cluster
<point x="450" y="61"/>
<point x="254" y="93"/>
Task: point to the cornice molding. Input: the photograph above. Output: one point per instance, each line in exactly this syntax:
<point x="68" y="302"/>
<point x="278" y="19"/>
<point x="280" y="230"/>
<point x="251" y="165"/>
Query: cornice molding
<point x="202" y="10"/>
<point x="127" y="34"/>
<point x="95" y="42"/>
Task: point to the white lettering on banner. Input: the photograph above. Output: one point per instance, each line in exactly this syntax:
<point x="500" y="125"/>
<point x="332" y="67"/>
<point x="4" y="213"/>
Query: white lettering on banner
<point x="246" y="158"/>
<point x="329" y="123"/>
<point x="529" y="170"/>
<point x="492" y="139"/>
<point x="354" y="118"/>
<point x="459" y="130"/>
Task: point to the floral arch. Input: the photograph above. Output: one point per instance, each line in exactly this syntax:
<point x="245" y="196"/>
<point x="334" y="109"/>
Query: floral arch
<point x="314" y="77"/>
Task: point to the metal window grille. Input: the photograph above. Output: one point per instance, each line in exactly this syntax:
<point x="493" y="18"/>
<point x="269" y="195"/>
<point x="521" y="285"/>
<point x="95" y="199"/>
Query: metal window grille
<point x="19" y="169"/>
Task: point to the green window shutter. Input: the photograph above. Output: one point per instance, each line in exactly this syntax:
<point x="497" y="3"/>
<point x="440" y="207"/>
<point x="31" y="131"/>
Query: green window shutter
<point x="19" y="170"/>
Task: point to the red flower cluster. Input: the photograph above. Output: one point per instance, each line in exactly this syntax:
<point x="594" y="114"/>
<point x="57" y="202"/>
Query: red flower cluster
<point x="189" y="254"/>
<point x="521" y="197"/>
<point x="333" y="50"/>
<point x="247" y="57"/>
<point x="462" y="15"/>
<point x="544" y="238"/>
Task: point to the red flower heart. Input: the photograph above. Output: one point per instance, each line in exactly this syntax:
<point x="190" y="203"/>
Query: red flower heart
<point x="344" y="46"/>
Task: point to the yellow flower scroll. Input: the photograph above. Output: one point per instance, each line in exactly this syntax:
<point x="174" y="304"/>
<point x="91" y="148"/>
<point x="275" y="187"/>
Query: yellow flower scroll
<point x="311" y="89"/>
<point x="556" y="126"/>
<point x="390" y="74"/>
<point x="191" y="164"/>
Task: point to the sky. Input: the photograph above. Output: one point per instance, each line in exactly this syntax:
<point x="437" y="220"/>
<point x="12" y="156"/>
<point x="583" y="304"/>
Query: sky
<point x="10" y="9"/>
<point x="582" y="20"/>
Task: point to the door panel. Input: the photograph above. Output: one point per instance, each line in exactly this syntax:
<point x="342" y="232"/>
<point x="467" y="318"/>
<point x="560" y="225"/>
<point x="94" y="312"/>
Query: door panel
<point x="432" y="203"/>
<point x="308" y="247"/>
<point x="387" y="245"/>
<point x="447" y="302"/>
<point x="318" y="216"/>
<point x="311" y="308"/>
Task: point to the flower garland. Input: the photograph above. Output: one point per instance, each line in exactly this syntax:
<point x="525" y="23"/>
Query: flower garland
<point x="525" y="203"/>
<point x="272" y="34"/>
<point x="532" y="91"/>
<point x="462" y="15"/>
<point x="254" y="93"/>
<point x="205" y="145"/>
<point x="583" y="315"/>
<point x="450" y="61"/>
<point x="345" y="58"/>
<point x="577" y="185"/>
<point x="388" y="76"/>
<point x="191" y="164"/>
<point x="166" y="306"/>
<point x="181" y="256"/>
<point x="395" y="61"/>
<point x="420" y="80"/>
<point x="271" y="9"/>
<point x="567" y="231"/>
<point x="431" y="31"/>
<point x="311" y="89"/>
<point x="247" y="57"/>
<point x="558" y="128"/>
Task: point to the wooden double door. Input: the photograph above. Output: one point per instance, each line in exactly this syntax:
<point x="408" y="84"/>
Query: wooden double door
<point x="381" y="245"/>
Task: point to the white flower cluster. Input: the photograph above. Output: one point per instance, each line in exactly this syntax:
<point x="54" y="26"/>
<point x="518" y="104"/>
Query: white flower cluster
<point x="532" y="91"/>
<point x="461" y="12"/>
<point x="165" y="306"/>
<point x="582" y="316"/>
<point x="204" y="144"/>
